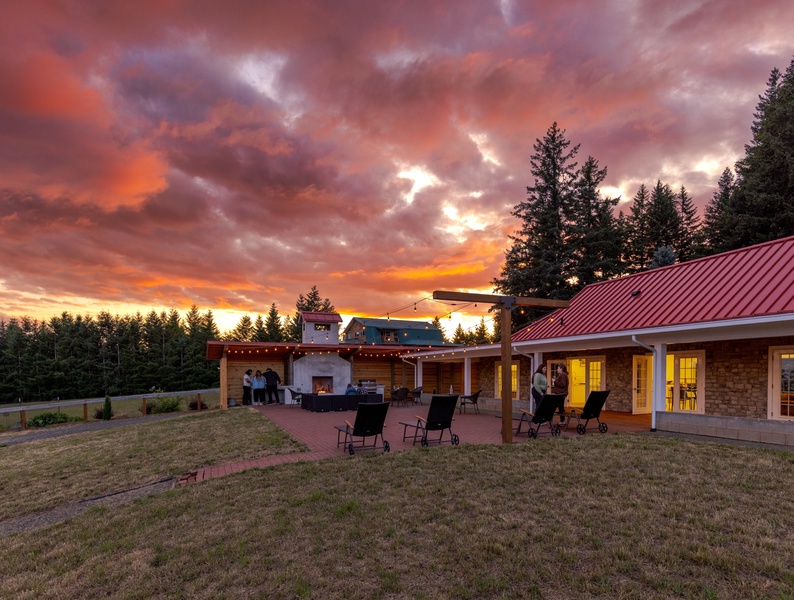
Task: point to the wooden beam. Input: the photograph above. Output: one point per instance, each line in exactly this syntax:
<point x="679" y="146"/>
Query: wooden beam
<point x="506" y="303"/>
<point x="494" y="299"/>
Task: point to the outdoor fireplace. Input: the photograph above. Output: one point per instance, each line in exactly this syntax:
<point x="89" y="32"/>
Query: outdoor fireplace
<point x="322" y="384"/>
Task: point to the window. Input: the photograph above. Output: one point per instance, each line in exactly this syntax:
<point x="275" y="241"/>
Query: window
<point x="322" y="327"/>
<point x="685" y="375"/>
<point x="513" y="379"/>
<point x="781" y="384"/>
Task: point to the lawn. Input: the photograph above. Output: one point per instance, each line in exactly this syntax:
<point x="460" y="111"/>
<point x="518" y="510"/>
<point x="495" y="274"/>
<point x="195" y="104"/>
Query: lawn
<point x="612" y="516"/>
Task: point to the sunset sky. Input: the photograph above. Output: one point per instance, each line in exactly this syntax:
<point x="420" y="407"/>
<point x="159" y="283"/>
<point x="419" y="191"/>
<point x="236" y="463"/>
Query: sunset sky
<point x="159" y="154"/>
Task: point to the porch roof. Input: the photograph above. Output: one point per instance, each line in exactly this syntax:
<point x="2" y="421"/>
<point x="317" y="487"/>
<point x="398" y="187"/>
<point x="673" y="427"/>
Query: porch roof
<point x="279" y="350"/>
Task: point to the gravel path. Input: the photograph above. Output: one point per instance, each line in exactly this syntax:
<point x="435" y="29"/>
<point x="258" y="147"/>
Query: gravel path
<point x="67" y="511"/>
<point x="43" y="433"/>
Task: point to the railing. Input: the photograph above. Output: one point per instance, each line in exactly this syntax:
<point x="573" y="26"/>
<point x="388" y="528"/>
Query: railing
<point x="23" y="408"/>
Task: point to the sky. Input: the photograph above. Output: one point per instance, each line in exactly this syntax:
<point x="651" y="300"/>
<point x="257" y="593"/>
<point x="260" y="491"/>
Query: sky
<point x="161" y="154"/>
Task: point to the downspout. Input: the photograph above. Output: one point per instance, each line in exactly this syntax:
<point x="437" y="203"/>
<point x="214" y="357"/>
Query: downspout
<point x="416" y="368"/>
<point x="653" y="404"/>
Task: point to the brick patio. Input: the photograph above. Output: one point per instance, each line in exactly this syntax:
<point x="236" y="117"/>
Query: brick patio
<point x="317" y="430"/>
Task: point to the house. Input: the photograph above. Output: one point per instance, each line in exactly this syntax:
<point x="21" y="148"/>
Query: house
<point x="319" y="363"/>
<point x="706" y="347"/>
<point x="392" y="331"/>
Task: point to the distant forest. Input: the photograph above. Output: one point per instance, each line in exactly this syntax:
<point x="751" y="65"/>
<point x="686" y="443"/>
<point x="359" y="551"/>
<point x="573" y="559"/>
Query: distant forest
<point x="568" y="237"/>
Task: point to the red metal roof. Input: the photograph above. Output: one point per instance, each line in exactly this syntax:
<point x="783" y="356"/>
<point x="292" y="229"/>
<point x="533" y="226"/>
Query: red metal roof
<point x="750" y="282"/>
<point x="320" y="317"/>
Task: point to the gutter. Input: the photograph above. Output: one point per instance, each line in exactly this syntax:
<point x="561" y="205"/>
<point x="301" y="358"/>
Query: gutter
<point x="653" y="351"/>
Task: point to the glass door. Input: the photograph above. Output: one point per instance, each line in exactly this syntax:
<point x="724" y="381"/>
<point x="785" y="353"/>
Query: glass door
<point x="642" y="384"/>
<point x="783" y="384"/>
<point x="685" y="375"/>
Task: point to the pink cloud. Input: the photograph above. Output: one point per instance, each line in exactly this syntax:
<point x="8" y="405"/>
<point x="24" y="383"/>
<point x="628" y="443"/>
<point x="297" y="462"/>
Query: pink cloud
<point x="236" y="154"/>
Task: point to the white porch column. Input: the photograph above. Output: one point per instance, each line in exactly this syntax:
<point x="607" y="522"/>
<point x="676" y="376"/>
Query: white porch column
<point x="536" y="362"/>
<point x="659" y="396"/>
<point x="467" y="376"/>
<point x="418" y="372"/>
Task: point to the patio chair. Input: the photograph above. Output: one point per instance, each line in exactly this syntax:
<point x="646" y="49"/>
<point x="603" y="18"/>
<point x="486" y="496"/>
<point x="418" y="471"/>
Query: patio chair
<point x="295" y="396"/>
<point x="592" y="410"/>
<point x="439" y="418"/>
<point x="471" y="399"/>
<point x="400" y="395"/>
<point x="370" y="419"/>
<point x="417" y="395"/>
<point x="544" y="413"/>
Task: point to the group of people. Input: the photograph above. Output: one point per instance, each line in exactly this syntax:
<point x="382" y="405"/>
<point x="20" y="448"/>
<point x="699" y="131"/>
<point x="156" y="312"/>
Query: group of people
<point x="254" y="388"/>
<point x="559" y="385"/>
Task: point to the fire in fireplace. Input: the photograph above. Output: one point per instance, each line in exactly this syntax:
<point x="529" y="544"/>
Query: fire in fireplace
<point x="322" y="384"/>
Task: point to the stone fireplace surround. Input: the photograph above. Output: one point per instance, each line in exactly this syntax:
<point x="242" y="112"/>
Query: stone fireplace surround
<point x="314" y="368"/>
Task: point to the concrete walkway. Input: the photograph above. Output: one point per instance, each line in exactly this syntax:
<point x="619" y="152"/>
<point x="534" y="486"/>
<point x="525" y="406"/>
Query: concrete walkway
<point x="317" y="430"/>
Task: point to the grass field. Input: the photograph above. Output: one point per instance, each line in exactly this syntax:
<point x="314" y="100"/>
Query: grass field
<point x="614" y="516"/>
<point x="121" y="409"/>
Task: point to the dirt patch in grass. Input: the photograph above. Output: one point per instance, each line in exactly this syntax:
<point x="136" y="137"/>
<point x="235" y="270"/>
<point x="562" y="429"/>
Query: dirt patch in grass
<point x="618" y="516"/>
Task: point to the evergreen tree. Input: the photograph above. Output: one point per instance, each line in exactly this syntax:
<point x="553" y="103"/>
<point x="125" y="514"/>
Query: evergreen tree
<point x="594" y="235"/>
<point x="637" y="232"/>
<point x="664" y="220"/>
<point x="312" y="302"/>
<point x="663" y="257"/>
<point x="689" y="243"/>
<point x="437" y="323"/>
<point x="260" y="333"/>
<point x="459" y="337"/>
<point x="274" y="330"/>
<point x="762" y="205"/>
<point x="244" y="330"/>
<point x="539" y="258"/>
<point x="717" y="219"/>
<point x="481" y="335"/>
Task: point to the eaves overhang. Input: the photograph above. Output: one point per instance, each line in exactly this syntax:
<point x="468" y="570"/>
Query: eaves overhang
<point x="768" y="326"/>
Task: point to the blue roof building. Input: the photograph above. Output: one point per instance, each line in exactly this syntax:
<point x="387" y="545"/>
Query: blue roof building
<point x="392" y="331"/>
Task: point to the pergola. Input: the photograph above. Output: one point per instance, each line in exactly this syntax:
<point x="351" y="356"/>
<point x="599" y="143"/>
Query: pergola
<point x="506" y="304"/>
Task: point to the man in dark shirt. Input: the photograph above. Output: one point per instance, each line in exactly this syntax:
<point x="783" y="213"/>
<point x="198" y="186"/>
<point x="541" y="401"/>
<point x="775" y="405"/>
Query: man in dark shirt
<point x="271" y="385"/>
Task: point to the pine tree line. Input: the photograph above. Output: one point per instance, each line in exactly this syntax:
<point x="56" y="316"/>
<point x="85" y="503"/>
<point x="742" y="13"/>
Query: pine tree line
<point x="85" y="357"/>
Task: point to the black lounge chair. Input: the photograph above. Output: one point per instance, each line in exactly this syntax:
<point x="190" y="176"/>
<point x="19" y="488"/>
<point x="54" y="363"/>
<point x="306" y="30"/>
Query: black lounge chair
<point x="370" y="419"/>
<point x="400" y="395"/>
<point x="471" y="399"/>
<point x="439" y="418"/>
<point x="592" y="410"/>
<point x="544" y="413"/>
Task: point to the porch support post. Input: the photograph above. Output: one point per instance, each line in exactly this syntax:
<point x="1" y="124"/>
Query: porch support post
<point x="224" y="401"/>
<point x="467" y="376"/>
<point x="419" y="365"/>
<point x="507" y="371"/>
<point x="659" y="396"/>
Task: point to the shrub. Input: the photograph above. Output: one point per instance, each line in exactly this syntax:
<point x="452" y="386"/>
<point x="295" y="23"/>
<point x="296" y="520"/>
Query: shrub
<point x="107" y="409"/>
<point x="50" y="418"/>
<point x="166" y="405"/>
<point x="193" y="405"/>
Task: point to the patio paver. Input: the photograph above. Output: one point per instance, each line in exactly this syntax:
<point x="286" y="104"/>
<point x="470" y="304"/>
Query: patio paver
<point x="317" y="430"/>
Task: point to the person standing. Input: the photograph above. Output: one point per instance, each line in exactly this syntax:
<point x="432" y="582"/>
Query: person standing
<point x="272" y="380"/>
<point x="539" y="384"/>
<point x="258" y="388"/>
<point x="560" y="386"/>
<point x="247" y="387"/>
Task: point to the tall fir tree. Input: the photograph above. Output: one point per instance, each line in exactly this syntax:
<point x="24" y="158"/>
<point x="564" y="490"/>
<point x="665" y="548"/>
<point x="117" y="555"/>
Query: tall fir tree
<point x="637" y="227"/>
<point x="690" y="243"/>
<point x="539" y="258"/>
<point x="594" y="234"/>
<point x="718" y="215"/>
<point x="274" y="329"/>
<point x="762" y="205"/>
<point x="243" y="331"/>
<point x="260" y="332"/>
